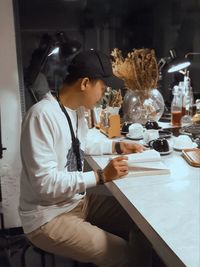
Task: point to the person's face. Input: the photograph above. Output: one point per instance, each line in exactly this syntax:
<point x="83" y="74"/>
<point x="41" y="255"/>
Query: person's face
<point x="93" y="92"/>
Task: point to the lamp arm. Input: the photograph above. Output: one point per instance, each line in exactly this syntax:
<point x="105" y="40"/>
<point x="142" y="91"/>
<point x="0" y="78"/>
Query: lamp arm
<point x="42" y="63"/>
<point x="191" y="54"/>
<point x="162" y="62"/>
<point x="41" y="66"/>
<point x="186" y="56"/>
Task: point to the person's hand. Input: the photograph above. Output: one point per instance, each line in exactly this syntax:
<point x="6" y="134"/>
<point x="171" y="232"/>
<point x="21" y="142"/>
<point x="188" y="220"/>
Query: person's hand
<point x="116" y="168"/>
<point x="128" y="148"/>
<point x="131" y="147"/>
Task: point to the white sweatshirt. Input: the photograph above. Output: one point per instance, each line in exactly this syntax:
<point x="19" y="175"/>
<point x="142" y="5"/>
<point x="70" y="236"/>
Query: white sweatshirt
<point x="48" y="188"/>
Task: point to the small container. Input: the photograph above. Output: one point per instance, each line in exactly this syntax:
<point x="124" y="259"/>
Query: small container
<point x="188" y="98"/>
<point x="196" y="117"/>
<point x="176" y="107"/>
<point x="187" y="105"/>
<point x="89" y="118"/>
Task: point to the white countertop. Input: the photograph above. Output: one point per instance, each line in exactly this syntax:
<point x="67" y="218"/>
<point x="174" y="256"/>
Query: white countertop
<point x="166" y="208"/>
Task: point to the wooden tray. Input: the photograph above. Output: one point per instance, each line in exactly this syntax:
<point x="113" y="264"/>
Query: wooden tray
<point x="192" y="156"/>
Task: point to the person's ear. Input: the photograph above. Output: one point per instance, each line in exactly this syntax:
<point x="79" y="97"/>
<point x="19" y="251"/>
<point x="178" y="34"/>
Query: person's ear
<point x="85" y="83"/>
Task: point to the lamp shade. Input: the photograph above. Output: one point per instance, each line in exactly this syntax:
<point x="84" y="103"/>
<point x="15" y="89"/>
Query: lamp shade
<point x="175" y="63"/>
<point x="54" y="50"/>
<point x="178" y="64"/>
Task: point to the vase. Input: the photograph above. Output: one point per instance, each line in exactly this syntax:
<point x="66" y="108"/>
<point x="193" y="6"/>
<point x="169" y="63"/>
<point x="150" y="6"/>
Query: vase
<point x="142" y="106"/>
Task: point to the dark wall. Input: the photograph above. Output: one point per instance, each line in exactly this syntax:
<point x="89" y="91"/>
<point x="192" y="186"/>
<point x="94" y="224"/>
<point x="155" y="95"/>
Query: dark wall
<point x="126" y="24"/>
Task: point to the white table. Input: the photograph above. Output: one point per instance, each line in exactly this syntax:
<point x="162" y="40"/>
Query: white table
<point x="166" y="208"/>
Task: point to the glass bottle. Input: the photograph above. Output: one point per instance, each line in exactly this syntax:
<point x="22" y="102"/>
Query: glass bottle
<point x="196" y="117"/>
<point x="187" y="103"/>
<point x="182" y="88"/>
<point x="176" y="107"/>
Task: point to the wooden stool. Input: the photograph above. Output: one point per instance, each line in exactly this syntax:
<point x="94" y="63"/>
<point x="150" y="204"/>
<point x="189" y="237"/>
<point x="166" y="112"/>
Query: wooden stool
<point x="41" y="252"/>
<point x="12" y="240"/>
<point x="43" y="255"/>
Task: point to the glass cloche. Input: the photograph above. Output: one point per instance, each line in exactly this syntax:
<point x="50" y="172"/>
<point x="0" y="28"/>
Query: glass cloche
<point x="137" y="108"/>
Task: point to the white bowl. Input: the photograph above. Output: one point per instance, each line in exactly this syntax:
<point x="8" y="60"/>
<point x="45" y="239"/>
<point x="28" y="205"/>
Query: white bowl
<point x="183" y="142"/>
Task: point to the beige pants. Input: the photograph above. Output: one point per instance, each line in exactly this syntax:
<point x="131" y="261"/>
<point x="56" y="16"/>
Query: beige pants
<point x="95" y="231"/>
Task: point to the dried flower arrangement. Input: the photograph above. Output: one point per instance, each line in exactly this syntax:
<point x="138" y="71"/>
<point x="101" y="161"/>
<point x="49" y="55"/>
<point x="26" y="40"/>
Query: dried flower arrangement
<point x="139" y="69"/>
<point x="112" y="98"/>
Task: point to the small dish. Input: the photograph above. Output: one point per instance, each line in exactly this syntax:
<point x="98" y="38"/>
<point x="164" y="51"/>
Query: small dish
<point x="166" y="153"/>
<point x="133" y="138"/>
<point x="194" y="145"/>
<point x="165" y="133"/>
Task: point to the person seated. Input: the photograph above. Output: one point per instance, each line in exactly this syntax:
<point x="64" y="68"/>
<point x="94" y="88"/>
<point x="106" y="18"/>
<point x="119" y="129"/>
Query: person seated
<point x="57" y="213"/>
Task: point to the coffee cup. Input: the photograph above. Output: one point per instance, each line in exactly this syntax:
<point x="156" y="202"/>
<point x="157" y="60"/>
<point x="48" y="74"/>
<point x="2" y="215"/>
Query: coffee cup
<point x="135" y="130"/>
<point x="150" y="134"/>
<point x="125" y="127"/>
<point x="183" y="141"/>
<point x="160" y="145"/>
<point x="150" y="124"/>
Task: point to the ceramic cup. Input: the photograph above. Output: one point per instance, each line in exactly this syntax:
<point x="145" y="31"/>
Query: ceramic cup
<point x="150" y="134"/>
<point x="182" y="141"/>
<point x="135" y="130"/>
<point x="125" y="127"/>
<point x="150" y="124"/>
<point x="161" y="145"/>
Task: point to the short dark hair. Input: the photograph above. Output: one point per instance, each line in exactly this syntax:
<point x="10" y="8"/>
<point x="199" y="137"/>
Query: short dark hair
<point x="70" y="79"/>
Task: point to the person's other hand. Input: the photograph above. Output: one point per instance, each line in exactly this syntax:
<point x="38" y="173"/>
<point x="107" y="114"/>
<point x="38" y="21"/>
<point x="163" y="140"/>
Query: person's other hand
<point x="131" y="147"/>
<point x="116" y="168"/>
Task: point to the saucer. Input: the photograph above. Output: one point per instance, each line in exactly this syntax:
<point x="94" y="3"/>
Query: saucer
<point x="194" y="145"/>
<point x="165" y="134"/>
<point x="157" y="128"/>
<point x="133" y="138"/>
<point x="124" y="132"/>
<point x="166" y="153"/>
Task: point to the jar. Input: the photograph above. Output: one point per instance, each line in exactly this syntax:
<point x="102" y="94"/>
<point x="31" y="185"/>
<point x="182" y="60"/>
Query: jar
<point x="196" y="117"/>
<point x="142" y="106"/>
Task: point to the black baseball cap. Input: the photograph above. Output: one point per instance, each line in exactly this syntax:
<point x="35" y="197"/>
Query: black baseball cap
<point x="94" y="64"/>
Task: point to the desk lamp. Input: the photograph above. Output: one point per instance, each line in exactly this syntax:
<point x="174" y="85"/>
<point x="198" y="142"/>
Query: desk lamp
<point x="172" y="63"/>
<point x="187" y="89"/>
<point x="51" y="49"/>
<point x="180" y="65"/>
<point x="60" y="45"/>
<point x="176" y="63"/>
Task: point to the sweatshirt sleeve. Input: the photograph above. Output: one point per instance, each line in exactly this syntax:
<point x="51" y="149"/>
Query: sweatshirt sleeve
<point x="98" y="147"/>
<point x="97" y="144"/>
<point x="39" y="161"/>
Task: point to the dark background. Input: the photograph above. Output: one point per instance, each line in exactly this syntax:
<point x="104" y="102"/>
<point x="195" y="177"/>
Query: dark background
<point x="106" y="24"/>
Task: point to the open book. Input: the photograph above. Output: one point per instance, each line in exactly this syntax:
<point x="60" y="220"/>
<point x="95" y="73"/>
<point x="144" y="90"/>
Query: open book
<point x="148" y="162"/>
